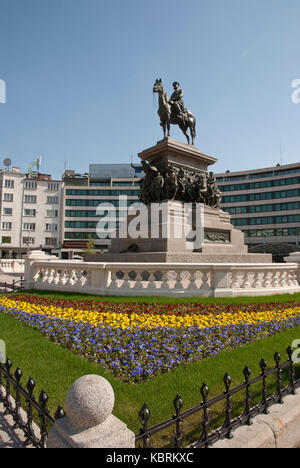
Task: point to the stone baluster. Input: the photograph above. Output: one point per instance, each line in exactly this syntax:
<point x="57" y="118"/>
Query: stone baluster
<point x="36" y="276"/>
<point x="151" y="280"/>
<point x="267" y="280"/>
<point x="275" y="280"/>
<point x="295" y="279"/>
<point x="114" y="280"/>
<point x="193" y="281"/>
<point x="257" y="280"/>
<point x="204" y="280"/>
<point x="179" y="284"/>
<point x="235" y="280"/>
<point x="127" y="282"/>
<point x="45" y="278"/>
<point x="283" y="279"/>
<point x="57" y="275"/>
<point x="165" y="285"/>
<point x="64" y="277"/>
<point x="246" y="281"/>
<point x="51" y="275"/>
<point x="139" y="280"/>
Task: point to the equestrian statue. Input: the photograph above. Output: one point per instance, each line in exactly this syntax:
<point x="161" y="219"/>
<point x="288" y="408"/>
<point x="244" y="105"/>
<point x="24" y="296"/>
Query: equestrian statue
<point x="172" y="111"/>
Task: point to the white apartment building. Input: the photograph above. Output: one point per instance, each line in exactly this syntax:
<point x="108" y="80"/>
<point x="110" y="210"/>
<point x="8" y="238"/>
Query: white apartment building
<point x="29" y="213"/>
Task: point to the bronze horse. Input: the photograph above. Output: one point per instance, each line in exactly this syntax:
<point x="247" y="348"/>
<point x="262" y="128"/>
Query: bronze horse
<point x="167" y="116"/>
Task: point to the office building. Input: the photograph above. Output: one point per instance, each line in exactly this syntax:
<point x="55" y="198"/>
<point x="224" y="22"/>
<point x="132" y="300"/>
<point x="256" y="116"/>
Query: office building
<point x="265" y="205"/>
<point x="83" y="196"/>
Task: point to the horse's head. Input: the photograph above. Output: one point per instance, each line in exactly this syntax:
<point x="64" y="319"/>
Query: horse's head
<point x="158" y="87"/>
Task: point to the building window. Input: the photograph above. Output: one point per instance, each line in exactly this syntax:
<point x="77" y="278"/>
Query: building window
<point x="30" y="199"/>
<point x="7" y="211"/>
<point x="122" y="184"/>
<point x="117" y="203"/>
<point x="9" y="197"/>
<point x="6" y="240"/>
<point x="9" y="183"/>
<point x="28" y="240"/>
<point x="81" y="235"/>
<point x="103" y="193"/>
<point x="53" y="186"/>
<point x="52" y="214"/>
<point x="6" y="226"/>
<point x="51" y="241"/>
<point x="28" y="226"/>
<point x="29" y="184"/>
<point x="52" y="200"/>
<point x="28" y="212"/>
<point x="51" y="227"/>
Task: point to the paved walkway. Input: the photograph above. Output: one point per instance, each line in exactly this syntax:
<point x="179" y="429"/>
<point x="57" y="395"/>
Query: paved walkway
<point x="9" y="438"/>
<point x="9" y="278"/>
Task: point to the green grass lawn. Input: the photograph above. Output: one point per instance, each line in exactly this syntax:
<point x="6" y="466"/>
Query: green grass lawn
<point x="55" y="369"/>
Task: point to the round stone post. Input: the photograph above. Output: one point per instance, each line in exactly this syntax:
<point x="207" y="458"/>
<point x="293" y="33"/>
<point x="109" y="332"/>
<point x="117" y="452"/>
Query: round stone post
<point x="89" y="422"/>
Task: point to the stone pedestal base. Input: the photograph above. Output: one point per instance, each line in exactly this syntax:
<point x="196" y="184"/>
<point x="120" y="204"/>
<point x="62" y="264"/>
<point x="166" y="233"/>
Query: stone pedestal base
<point x="220" y="241"/>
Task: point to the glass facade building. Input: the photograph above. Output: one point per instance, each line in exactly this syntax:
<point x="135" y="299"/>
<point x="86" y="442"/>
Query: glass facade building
<point x="265" y="205"/>
<point x="87" y="199"/>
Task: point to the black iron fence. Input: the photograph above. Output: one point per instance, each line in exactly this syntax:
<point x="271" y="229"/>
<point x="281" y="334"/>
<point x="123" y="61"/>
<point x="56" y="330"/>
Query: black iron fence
<point x="201" y="413"/>
<point x="33" y="418"/>
<point x="29" y="414"/>
<point x="16" y="285"/>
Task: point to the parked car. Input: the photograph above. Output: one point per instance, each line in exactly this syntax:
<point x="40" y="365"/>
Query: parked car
<point x="78" y="257"/>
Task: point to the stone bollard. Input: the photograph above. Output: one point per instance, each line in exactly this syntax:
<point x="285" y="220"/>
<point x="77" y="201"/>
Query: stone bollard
<point x="90" y="423"/>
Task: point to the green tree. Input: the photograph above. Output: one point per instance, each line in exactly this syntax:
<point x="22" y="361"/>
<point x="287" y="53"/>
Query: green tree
<point x="90" y="246"/>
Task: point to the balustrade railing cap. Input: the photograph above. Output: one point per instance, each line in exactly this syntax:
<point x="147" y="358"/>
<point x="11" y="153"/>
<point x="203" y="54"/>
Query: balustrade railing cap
<point x="37" y="254"/>
<point x="90" y="401"/>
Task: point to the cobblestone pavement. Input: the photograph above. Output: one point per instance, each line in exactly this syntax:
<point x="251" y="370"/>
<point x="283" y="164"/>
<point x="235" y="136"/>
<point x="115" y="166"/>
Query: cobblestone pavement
<point x="9" y="437"/>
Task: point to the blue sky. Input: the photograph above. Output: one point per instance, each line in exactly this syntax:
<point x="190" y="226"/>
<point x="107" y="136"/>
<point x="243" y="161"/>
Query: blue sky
<point x="79" y="77"/>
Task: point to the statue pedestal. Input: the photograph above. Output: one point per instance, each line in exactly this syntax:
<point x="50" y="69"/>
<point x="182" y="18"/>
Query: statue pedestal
<point x="217" y="241"/>
<point x="169" y="152"/>
<point x="177" y="185"/>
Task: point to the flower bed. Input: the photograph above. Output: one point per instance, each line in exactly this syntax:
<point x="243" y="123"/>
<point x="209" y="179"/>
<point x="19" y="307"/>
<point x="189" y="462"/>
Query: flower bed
<point x="137" y="341"/>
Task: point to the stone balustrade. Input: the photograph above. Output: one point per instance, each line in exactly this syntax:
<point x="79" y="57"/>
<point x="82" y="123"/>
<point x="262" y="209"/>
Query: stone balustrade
<point x="11" y="266"/>
<point x="161" y="279"/>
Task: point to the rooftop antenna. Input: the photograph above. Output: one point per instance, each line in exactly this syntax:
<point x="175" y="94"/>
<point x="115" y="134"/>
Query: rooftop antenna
<point x="7" y="163"/>
<point x="281" y="154"/>
<point x="38" y="163"/>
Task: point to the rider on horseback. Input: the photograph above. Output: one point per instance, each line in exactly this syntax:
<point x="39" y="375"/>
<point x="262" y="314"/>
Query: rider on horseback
<point x="176" y="102"/>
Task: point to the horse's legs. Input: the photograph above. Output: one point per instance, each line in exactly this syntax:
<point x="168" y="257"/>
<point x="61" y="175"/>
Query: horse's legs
<point x="184" y="129"/>
<point x="164" y="125"/>
<point x="192" y="127"/>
